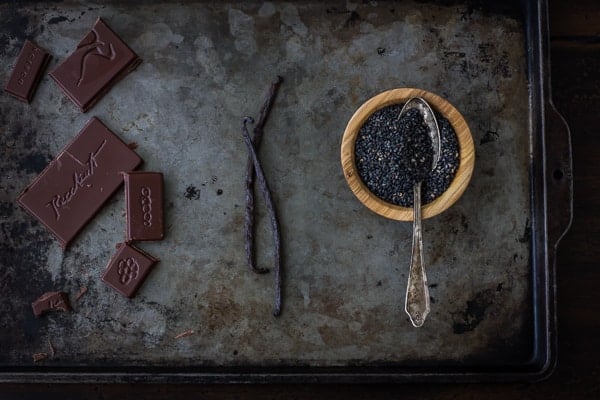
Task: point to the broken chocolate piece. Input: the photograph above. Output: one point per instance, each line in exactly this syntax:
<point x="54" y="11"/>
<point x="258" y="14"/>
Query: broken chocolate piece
<point x="144" y="200"/>
<point x="127" y="269"/>
<point x="99" y="61"/>
<point x="28" y="71"/>
<point x="51" y="301"/>
<point x="73" y="187"/>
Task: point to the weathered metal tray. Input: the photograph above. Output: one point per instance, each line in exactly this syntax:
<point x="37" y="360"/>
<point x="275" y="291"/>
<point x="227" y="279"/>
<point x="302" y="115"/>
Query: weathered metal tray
<point x="206" y="65"/>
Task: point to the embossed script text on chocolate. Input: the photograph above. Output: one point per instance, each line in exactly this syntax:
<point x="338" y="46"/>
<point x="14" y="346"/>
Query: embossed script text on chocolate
<point x="73" y="187"/>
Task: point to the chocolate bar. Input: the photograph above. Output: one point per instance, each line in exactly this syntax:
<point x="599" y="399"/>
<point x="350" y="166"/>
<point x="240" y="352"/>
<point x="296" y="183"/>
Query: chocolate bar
<point x="127" y="269"/>
<point x="28" y="71"/>
<point x="99" y="61"/>
<point x="51" y="301"/>
<point x="144" y="200"/>
<point x="73" y="187"/>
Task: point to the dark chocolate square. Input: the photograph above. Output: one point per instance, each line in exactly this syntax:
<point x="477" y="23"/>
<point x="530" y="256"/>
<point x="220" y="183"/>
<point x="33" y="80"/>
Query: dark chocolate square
<point x="73" y="187"/>
<point x="28" y="71"/>
<point x="98" y="62"/>
<point x="144" y="200"/>
<point x="127" y="269"/>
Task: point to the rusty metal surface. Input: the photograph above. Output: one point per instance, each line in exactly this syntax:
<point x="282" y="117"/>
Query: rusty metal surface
<point x="345" y="269"/>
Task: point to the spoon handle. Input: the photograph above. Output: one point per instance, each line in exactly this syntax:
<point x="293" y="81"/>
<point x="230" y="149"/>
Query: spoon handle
<point x="417" y="292"/>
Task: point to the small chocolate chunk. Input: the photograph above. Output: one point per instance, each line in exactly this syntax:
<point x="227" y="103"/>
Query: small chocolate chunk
<point x="99" y="61"/>
<point x="73" y="187"/>
<point x="144" y="200"/>
<point x="51" y="301"/>
<point x="127" y="269"/>
<point x="28" y="71"/>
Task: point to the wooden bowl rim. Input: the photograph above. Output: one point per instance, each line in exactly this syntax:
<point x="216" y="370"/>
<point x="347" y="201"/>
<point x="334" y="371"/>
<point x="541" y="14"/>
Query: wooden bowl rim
<point x="466" y="154"/>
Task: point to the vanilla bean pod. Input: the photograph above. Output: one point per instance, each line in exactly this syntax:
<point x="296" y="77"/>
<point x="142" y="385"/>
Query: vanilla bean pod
<point x="264" y="188"/>
<point x="249" y="216"/>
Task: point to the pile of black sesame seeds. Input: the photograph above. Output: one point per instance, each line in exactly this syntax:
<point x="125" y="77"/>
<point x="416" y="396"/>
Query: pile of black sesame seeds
<point x="392" y="154"/>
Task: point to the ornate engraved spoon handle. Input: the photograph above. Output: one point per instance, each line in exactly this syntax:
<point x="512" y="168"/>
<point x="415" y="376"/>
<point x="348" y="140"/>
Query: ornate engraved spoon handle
<point x="417" y="292"/>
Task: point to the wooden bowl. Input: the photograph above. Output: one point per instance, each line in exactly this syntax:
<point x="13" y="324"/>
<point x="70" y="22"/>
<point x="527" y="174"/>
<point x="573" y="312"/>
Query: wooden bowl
<point x="465" y="143"/>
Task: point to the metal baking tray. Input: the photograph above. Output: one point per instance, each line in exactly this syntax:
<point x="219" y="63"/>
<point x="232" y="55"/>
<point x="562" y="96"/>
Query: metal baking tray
<point x="206" y="65"/>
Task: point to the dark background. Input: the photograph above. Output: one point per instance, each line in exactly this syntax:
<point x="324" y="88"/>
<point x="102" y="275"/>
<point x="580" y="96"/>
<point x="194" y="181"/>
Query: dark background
<point x="575" y="65"/>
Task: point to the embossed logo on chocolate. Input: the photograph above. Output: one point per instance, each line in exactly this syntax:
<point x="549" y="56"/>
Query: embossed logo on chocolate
<point x="56" y="302"/>
<point x="61" y="200"/>
<point x="27" y="66"/>
<point x="146" y="203"/>
<point x="92" y="46"/>
<point x="128" y="270"/>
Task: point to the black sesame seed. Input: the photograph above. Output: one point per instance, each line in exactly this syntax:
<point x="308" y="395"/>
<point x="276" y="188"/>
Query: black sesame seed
<point x="392" y="154"/>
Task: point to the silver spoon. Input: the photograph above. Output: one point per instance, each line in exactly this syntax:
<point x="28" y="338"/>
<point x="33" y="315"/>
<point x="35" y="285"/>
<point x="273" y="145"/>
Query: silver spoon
<point x="417" y="293"/>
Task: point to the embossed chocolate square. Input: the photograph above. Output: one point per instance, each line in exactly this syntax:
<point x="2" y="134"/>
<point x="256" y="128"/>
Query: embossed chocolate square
<point x="144" y="202"/>
<point x="98" y="62"/>
<point x="73" y="187"/>
<point x="127" y="269"/>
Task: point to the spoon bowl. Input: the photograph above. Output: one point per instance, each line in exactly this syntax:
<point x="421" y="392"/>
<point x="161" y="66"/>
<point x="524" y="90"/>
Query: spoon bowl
<point x="417" y="103"/>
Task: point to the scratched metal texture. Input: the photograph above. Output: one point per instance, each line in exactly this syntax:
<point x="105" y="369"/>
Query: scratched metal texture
<point x="206" y="65"/>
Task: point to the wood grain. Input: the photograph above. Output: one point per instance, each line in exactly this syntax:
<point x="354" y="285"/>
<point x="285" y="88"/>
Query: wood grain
<point x="465" y="142"/>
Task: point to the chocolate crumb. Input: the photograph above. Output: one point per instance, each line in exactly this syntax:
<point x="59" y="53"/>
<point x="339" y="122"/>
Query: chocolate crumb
<point x="183" y="334"/>
<point x="132" y="145"/>
<point x="82" y="291"/>
<point x="39" y="356"/>
<point x="51" y="348"/>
